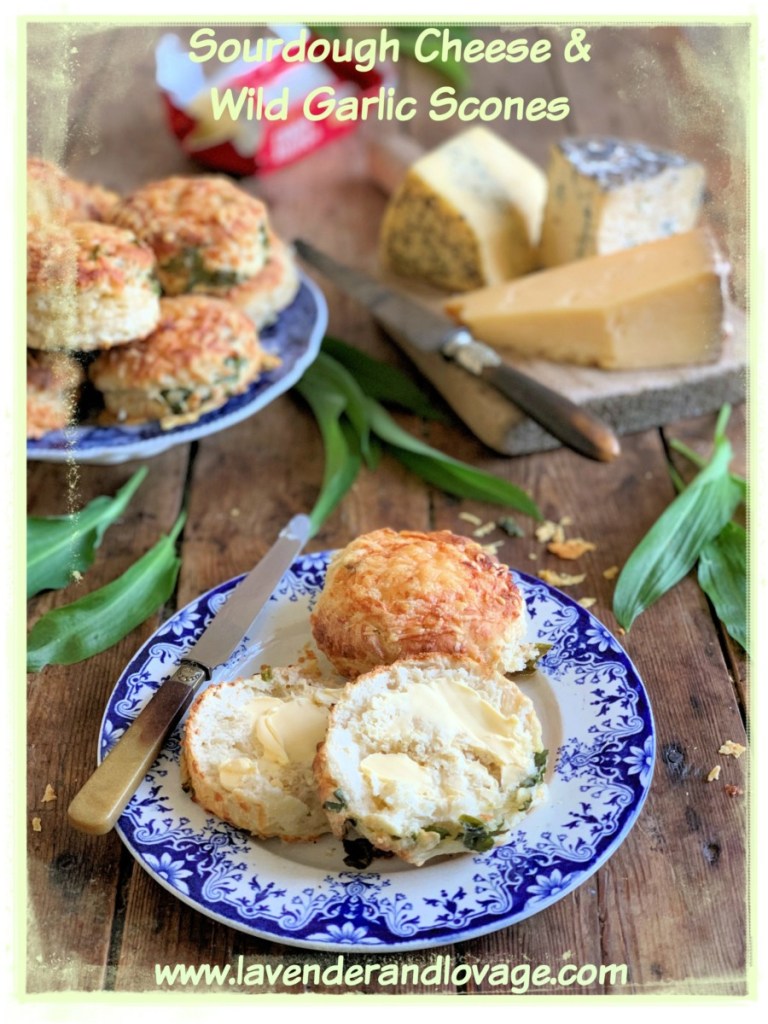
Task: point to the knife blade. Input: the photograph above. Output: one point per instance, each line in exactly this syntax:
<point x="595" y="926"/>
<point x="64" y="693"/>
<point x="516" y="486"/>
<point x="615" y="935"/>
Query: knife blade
<point x="400" y="315"/>
<point x="102" y="799"/>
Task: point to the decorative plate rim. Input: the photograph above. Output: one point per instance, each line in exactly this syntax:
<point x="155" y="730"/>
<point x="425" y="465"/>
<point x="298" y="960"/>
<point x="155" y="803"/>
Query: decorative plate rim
<point x="579" y="629"/>
<point x="99" y="450"/>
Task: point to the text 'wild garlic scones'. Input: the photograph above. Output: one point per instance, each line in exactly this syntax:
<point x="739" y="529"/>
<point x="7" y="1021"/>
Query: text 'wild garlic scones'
<point x="53" y="382"/>
<point x="55" y="198"/>
<point x="248" y="750"/>
<point x="202" y="352"/>
<point x="430" y="756"/>
<point x="208" y="234"/>
<point x="89" y="286"/>
<point x="262" y="297"/>
<point x="391" y="595"/>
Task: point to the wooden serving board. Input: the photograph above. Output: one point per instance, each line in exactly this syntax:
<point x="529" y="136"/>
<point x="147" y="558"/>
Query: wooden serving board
<point x="629" y="400"/>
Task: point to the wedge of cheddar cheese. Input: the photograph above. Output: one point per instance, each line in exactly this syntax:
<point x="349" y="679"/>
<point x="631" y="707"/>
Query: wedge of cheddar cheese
<point x="467" y="214"/>
<point x="659" y="304"/>
<point x="607" y="194"/>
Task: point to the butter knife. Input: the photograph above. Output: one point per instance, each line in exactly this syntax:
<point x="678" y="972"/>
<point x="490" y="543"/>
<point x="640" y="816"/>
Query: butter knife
<point x="429" y="331"/>
<point x="102" y="799"/>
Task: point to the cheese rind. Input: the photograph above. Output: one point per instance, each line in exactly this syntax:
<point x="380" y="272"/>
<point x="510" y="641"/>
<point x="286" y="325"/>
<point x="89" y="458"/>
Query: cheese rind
<point x="607" y="194"/>
<point x="467" y="214"/>
<point x="659" y="304"/>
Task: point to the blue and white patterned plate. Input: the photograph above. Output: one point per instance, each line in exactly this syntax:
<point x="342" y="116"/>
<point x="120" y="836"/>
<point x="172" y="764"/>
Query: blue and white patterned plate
<point x="295" y="338"/>
<point x="597" y="723"/>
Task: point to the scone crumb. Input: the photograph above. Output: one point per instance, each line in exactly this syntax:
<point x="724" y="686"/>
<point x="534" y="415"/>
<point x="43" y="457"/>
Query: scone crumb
<point x="571" y="549"/>
<point x="468" y="517"/>
<point x="561" y="579"/>
<point x="566" y="521"/>
<point x="621" y="631"/>
<point x="234" y="512"/>
<point x="548" y="531"/>
<point x="714" y="774"/>
<point x="732" y="790"/>
<point x="611" y="572"/>
<point x="587" y="602"/>
<point x="532" y="555"/>
<point x="49" y="794"/>
<point x="731" y="749"/>
<point x="37" y="825"/>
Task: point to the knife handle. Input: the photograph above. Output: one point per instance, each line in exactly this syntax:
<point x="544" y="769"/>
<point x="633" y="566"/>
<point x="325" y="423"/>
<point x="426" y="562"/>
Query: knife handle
<point x="575" y="426"/>
<point x="102" y="799"/>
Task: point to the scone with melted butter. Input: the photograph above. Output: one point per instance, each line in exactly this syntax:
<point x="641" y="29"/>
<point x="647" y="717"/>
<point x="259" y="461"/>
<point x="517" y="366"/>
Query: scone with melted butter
<point x="430" y="756"/>
<point x="248" y="750"/>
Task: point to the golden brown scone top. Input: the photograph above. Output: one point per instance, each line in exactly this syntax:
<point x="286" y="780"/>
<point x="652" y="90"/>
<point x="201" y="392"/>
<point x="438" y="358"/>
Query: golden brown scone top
<point x="392" y="595"/>
<point x="85" y="255"/>
<point x="52" y="196"/>
<point x="207" y="234"/>
<point x="196" y="333"/>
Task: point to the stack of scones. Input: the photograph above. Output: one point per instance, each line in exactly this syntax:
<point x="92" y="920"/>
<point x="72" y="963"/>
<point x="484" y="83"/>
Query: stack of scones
<point x="158" y="298"/>
<point x="428" y="748"/>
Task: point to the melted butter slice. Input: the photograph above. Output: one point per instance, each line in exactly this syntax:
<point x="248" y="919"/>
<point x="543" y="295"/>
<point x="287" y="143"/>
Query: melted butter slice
<point x="451" y="705"/>
<point x="289" y="731"/>
<point x="396" y="768"/>
<point x="233" y="773"/>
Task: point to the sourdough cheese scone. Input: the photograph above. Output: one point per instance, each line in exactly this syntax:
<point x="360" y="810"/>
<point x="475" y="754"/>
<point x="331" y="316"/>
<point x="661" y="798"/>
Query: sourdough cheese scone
<point x="264" y="296"/>
<point x="390" y="595"/>
<point x="202" y="352"/>
<point x="55" y="198"/>
<point x="607" y="194"/>
<point x="53" y="382"/>
<point x="430" y="756"/>
<point x="248" y="750"/>
<point x="208" y="234"/>
<point x="89" y="286"/>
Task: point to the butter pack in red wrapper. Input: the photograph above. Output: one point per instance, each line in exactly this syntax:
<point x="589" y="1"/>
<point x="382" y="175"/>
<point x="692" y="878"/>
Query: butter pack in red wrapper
<point x="251" y="116"/>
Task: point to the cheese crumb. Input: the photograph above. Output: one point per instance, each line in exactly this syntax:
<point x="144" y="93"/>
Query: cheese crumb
<point x="532" y="555"/>
<point x="714" y="774"/>
<point x="611" y="572"/>
<point x="492" y="549"/>
<point x="76" y="575"/>
<point x="49" y="794"/>
<point x="484" y="530"/>
<point x="549" y="531"/>
<point x="234" y="512"/>
<point x="571" y="549"/>
<point x="469" y="518"/>
<point x="561" y="579"/>
<point x="587" y="602"/>
<point x="566" y="521"/>
<point x="731" y="749"/>
<point x="37" y="825"/>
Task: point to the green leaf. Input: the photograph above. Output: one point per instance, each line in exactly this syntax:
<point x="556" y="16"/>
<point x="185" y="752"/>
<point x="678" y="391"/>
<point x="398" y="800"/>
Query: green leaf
<point x="673" y="544"/>
<point x="59" y="546"/>
<point x="442" y="471"/>
<point x="86" y="627"/>
<point x="699" y="461"/>
<point x="722" y="574"/>
<point x="381" y="381"/>
<point x="332" y="376"/>
<point x="341" y="463"/>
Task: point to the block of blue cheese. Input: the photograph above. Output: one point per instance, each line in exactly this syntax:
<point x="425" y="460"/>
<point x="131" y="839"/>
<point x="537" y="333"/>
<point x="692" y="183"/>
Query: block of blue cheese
<point x="467" y="214"/>
<point x="607" y="194"/>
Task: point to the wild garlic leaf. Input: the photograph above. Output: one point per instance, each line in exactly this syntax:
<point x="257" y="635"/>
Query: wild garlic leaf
<point x="381" y="381"/>
<point x="722" y="574"/>
<point x="442" y="471"/>
<point x="59" y="546"/>
<point x="86" y="627"/>
<point x="673" y="544"/>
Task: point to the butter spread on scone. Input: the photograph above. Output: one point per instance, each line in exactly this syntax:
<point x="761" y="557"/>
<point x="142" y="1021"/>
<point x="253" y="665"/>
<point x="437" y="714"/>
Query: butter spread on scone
<point x="431" y="756"/>
<point x="391" y="595"/>
<point x="248" y="750"/>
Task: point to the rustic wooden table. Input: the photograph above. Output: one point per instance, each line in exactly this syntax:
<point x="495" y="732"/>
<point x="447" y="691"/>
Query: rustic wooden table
<point x="671" y="903"/>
